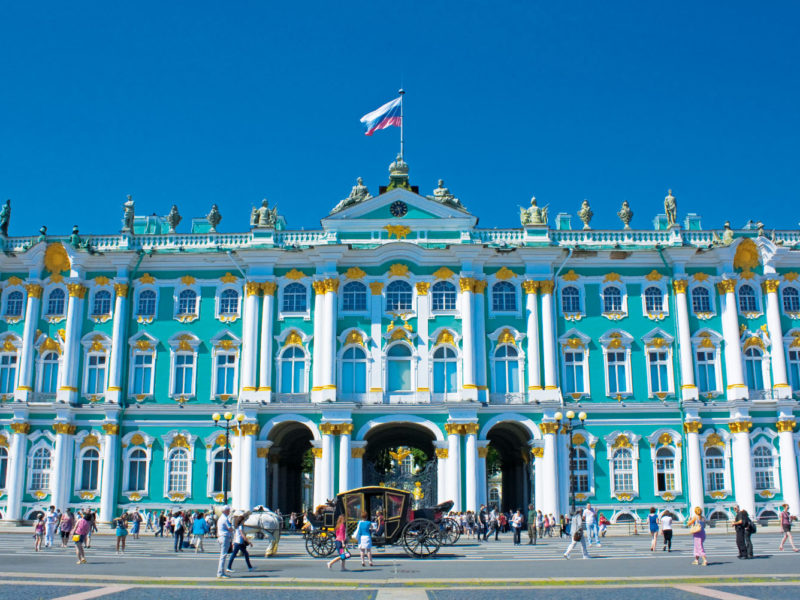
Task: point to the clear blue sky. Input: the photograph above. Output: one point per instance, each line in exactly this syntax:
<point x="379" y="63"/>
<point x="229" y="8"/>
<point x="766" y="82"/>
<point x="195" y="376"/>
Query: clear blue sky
<point x="195" y="103"/>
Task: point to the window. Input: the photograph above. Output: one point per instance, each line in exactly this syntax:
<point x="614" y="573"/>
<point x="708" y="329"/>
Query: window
<point x="794" y="369"/>
<point x="653" y="300"/>
<point x="184" y="374"/>
<point x="142" y="383"/>
<point x="753" y="367"/>
<point x="354" y="371"/>
<point x="706" y="371"/>
<point x="791" y="300"/>
<point x="715" y="470"/>
<point x="581" y="469"/>
<point x="444" y="295"/>
<point x="96" y="374"/>
<point x="763" y="465"/>
<point x="14" y="304"/>
<point x="226" y="373"/>
<point x="187" y="302"/>
<point x="8" y="373"/>
<point x="293" y="367"/>
<point x="40" y="469"/>
<point x="612" y="299"/>
<point x="506" y="370"/>
<point x="573" y="372"/>
<point x="178" y="472"/>
<point x="354" y="297"/>
<point x="701" y="300"/>
<point x="445" y="369"/>
<point x="3" y="468"/>
<point x="222" y="470"/>
<point x="147" y="304"/>
<point x="504" y="297"/>
<point x="747" y="299"/>
<point x="229" y="302"/>
<point x="137" y="471"/>
<point x="294" y="298"/>
<point x="622" y="464"/>
<point x="55" y="302"/>
<point x="665" y="470"/>
<point x="617" y="372"/>
<point x="90" y="469"/>
<point x="398" y="296"/>
<point x="570" y="300"/>
<point x="494" y="497"/>
<point x="659" y="371"/>
<point x="102" y="303"/>
<point x="48" y="373"/>
<point x="398" y="368"/>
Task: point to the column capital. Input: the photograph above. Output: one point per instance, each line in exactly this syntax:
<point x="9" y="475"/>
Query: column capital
<point x="740" y="426"/>
<point x="248" y="429"/>
<point x="252" y="288"/>
<point x="110" y="428"/>
<point x="530" y="286"/>
<point x="546" y="286"/>
<point x="692" y="426"/>
<point x="548" y="427"/>
<point x="121" y="290"/>
<point x="76" y="290"/>
<point x="770" y="286"/>
<point x="423" y="287"/>
<point x="34" y="290"/>
<point x="726" y="286"/>
<point x="680" y="286"/>
<point x="441" y="453"/>
<point x="64" y="428"/>
<point x="262" y="452"/>
<point x="319" y="287"/>
<point x="461" y="428"/>
<point x="467" y="284"/>
<point x="23" y="428"/>
<point x="483" y="451"/>
<point x="331" y="285"/>
<point x="376" y="287"/>
<point x="269" y="287"/>
<point x="538" y="451"/>
<point x="357" y="452"/>
<point x="480" y="286"/>
<point x="317" y="452"/>
<point x="785" y="425"/>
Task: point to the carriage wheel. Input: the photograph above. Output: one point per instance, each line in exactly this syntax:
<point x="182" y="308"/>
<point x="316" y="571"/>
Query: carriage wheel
<point x="449" y="531"/>
<point x="421" y="538"/>
<point x="320" y="544"/>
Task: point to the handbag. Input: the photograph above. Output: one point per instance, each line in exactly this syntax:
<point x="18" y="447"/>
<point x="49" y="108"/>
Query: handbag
<point x="76" y="538"/>
<point x="576" y="537"/>
<point x="695" y="528"/>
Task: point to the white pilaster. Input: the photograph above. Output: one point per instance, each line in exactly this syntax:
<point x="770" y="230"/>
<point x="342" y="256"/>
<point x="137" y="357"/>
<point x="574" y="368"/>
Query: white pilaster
<point x="694" y="468"/>
<point x="376" y="313"/>
<point x="247" y="455"/>
<point x="480" y="339"/>
<point x="423" y="314"/>
<point x="442" y="472"/>
<point x="532" y="314"/>
<point x="320" y="348"/>
<point x="17" y="457"/>
<point x="688" y="386"/>
<point x="25" y="379"/>
<point x="247" y="379"/>
<point x="780" y="382"/>
<point x="328" y="456"/>
<point x="471" y="467"/>
<point x="108" y="501"/>
<point x="733" y="348"/>
<point x="61" y="475"/>
<point x="357" y="450"/>
<point x="742" y="465"/>
<point x="319" y="491"/>
<point x="68" y="374"/>
<point x="483" y="495"/>
<point x="538" y="476"/>
<point x="454" y="469"/>
<point x="266" y="358"/>
<point x="548" y="340"/>
<point x="118" y="344"/>
<point x="235" y="464"/>
<point x="788" y="453"/>
<point x="329" y="332"/>
<point x="470" y="389"/>
<point x="344" y="457"/>
<point x="549" y="501"/>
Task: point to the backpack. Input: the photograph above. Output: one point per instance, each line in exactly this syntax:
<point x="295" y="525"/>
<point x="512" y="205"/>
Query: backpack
<point x="752" y="527"/>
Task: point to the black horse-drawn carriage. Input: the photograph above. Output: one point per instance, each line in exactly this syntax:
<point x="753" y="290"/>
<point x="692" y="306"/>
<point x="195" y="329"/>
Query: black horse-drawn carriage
<point x="421" y="532"/>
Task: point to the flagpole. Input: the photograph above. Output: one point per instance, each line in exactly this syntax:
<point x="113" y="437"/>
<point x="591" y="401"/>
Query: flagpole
<point x="402" y="122"/>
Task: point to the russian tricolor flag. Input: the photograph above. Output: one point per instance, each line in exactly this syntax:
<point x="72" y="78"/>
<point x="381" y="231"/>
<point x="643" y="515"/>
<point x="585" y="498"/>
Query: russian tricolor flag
<point x="383" y="117"/>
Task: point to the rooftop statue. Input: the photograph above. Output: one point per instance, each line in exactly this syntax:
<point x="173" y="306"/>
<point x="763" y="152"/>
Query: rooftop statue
<point x="443" y="195"/>
<point x="75" y="238"/>
<point x="127" y="216"/>
<point x="213" y="218"/>
<point x="5" y="217"/>
<point x="625" y="214"/>
<point x="264" y="217"/>
<point x="760" y="227"/>
<point x="42" y="234"/>
<point x="173" y="218"/>
<point x="585" y="214"/>
<point x="359" y="193"/>
<point x="671" y="208"/>
<point x="533" y="215"/>
<point x="727" y="234"/>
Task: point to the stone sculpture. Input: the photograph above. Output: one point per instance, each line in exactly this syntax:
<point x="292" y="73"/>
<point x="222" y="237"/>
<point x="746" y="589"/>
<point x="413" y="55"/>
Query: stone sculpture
<point x="173" y="218"/>
<point x="443" y="195"/>
<point x="127" y="216"/>
<point x="213" y="218"/>
<point x="671" y="208"/>
<point x="533" y="215"/>
<point x="625" y="214"/>
<point x="585" y="214"/>
<point x="264" y="217"/>
<point x="358" y="193"/>
<point x="5" y="217"/>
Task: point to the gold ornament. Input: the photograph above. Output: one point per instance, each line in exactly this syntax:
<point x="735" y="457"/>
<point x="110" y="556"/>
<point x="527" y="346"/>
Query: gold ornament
<point x="354" y="273"/>
<point x="56" y="258"/>
<point x="295" y="274"/>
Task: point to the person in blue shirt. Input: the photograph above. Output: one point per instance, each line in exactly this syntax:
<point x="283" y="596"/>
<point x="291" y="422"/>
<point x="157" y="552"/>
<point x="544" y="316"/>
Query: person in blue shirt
<point x="363" y="534"/>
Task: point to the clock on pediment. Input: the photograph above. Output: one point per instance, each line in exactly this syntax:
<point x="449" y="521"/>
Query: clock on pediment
<point x="398" y="208"/>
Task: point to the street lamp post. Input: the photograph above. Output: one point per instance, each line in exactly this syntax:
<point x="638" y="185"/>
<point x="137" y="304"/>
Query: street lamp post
<point x="227" y="417"/>
<point x="568" y="430"/>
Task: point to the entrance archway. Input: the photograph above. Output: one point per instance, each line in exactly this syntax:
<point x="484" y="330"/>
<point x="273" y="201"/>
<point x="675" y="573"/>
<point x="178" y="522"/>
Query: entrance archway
<point x="510" y="461"/>
<point x="290" y="469"/>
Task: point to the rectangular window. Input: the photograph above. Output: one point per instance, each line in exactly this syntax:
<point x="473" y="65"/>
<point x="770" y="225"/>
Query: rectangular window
<point x="706" y="371"/>
<point x="96" y="374"/>
<point x="665" y="476"/>
<point x="137" y="473"/>
<point x="715" y="481"/>
<point x="8" y="373"/>
<point x="354" y="377"/>
<point x="659" y="380"/>
<point x="399" y="375"/>
<point x="142" y="374"/>
<point x="89" y="474"/>
<point x="617" y="375"/>
<point x="184" y="373"/>
<point x="794" y="369"/>
<point x="623" y="481"/>
<point x="226" y="372"/>
<point x="444" y="377"/>
<point x="573" y="366"/>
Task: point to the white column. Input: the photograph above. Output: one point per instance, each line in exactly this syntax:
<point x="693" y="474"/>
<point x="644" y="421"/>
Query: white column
<point x="328" y="457"/>
<point x="548" y="337"/>
<point x="483" y="450"/>
<point x="471" y="467"/>
<point x="454" y="465"/>
<point x="236" y="447"/>
<point x="118" y="345"/>
<point x="733" y="348"/>
<point x="562" y="440"/>
<point x="789" y="482"/>
<point x="247" y="379"/>
<point x="549" y="502"/>
<point x="25" y="380"/>
<point x="261" y="493"/>
<point x="532" y="314"/>
<point x="17" y="457"/>
<point x="319" y="492"/>
<point x="247" y="455"/>
<point x="479" y="311"/>
<point x="319" y="341"/>
<point x="694" y="468"/>
<point x="68" y="375"/>
<point x="442" y="484"/>
<point x="108" y="500"/>
<point x="780" y="382"/>
<point x="423" y="333"/>
<point x="538" y="476"/>
<point x="357" y="450"/>
<point x="468" y="340"/>
<point x="376" y="314"/>
<point x="345" y="431"/>
<point x="60" y="476"/>
<point x="266" y="358"/>
<point x="742" y="466"/>
<point x="329" y="333"/>
<point x="688" y="386"/>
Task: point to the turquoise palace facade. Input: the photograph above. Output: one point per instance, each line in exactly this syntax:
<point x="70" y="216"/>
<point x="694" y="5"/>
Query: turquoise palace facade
<point x="401" y="324"/>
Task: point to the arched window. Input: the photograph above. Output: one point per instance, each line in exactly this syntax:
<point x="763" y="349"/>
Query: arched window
<point x="791" y="300"/>
<point x="701" y="300"/>
<point x="763" y="468"/>
<point x="581" y="470"/>
<point x="96" y="374"/>
<point x="8" y="373"/>
<point x="715" y="470"/>
<point x="222" y="470"/>
<point x="623" y="470"/>
<point x="294" y="298"/>
<point x="3" y="468"/>
<point x="753" y="362"/>
<point x="398" y="296"/>
<point x="48" y="373"/>
<point x="506" y="370"/>
<point x="14" y="304"/>
<point x="354" y="297"/>
<point x="445" y="369"/>
<point x="226" y="373"/>
<point x="665" y="470"/>
<point x="612" y="299"/>
<point x="187" y="302"/>
<point x="504" y="297"/>
<point x="747" y="299"/>
<point x="137" y="471"/>
<point x="293" y="369"/>
<point x="653" y="299"/>
<point x="444" y="295"/>
<point x="55" y="302"/>
<point x="178" y="471"/>
<point x="90" y="469"/>
<point x="102" y="303"/>
<point x="398" y="368"/>
<point x="40" y="469"/>
<point x="570" y="300"/>
<point x="229" y="302"/>
<point x="147" y="304"/>
<point x="354" y="371"/>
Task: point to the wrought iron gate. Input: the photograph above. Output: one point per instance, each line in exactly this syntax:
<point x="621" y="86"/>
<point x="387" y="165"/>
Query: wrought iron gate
<point x="422" y="484"/>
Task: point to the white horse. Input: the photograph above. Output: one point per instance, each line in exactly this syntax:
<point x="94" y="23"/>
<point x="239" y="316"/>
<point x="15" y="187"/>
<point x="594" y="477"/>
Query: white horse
<point x="263" y="520"/>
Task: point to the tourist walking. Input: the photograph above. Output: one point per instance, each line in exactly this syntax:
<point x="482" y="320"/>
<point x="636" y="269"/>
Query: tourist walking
<point x="364" y="536"/>
<point x="240" y="542"/>
<point x="178" y="530"/>
<point x="697" y="523"/>
<point x="531" y="525"/>
<point x="576" y="528"/>
<point x="483" y="523"/>
<point x="590" y="518"/>
<point x="162" y="521"/>
<point x="121" y="532"/>
<point x="603" y="521"/>
<point x="340" y="534"/>
<point x="199" y="530"/>
<point x="225" y="538"/>
<point x="516" y="526"/>
<point x="652" y="523"/>
<point x="666" y="530"/>
<point x="540" y="523"/>
<point x="50" y="521"/>
<point x="79" y="533"/>
<point x="744" y="528"/>
<point x="65" y="527"/>
<point x="38" y="533"/>
<point x="786" y="527"/>
<point x="136" y="523"/>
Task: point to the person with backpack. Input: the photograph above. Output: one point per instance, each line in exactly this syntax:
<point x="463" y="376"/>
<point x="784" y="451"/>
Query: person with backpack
<point x="744" y="529"/>
<point x="199" y="530"/>
<point x="178" y="529"/>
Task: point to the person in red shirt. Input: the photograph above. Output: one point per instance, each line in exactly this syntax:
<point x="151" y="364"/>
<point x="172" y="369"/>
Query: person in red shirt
<point x="82" y="528"/>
